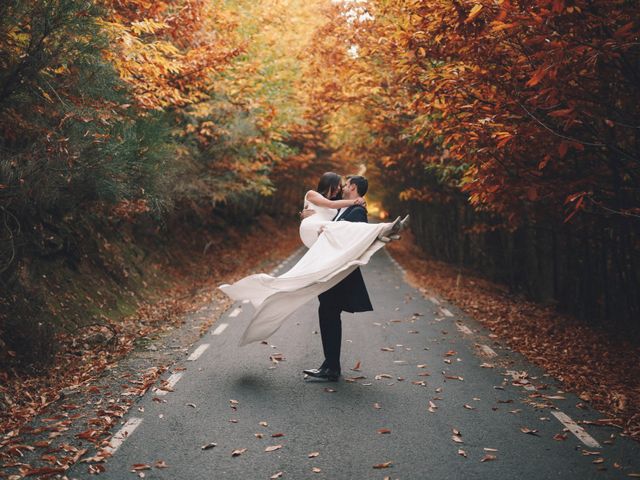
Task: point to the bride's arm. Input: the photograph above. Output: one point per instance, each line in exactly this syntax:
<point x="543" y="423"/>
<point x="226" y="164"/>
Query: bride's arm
<point x="319" y="200"/>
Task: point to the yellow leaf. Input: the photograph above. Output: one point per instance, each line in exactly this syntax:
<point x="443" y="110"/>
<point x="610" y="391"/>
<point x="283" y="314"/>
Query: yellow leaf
<point x="475" y="11"/>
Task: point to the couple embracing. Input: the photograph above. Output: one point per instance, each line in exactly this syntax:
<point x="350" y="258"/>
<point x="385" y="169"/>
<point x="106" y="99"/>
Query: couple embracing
<point x="335" y="228"/>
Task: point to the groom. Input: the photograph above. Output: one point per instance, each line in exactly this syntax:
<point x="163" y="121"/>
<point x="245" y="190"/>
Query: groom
<point x="350" y="295"/>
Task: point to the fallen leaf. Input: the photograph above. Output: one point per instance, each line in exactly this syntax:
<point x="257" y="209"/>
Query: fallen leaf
<point x="161" y="464"/>
<point x="382" y="465"/>
<point x="377" y="406"/>
<point x="450" y="353"/>
<point x="277" y="435"/>
<point x="488" y="449"/>
<point x="382" y="431"/>
<point x="238" y="452"/>
<point x="209" y="446"/>
<point x="469" y="407"/>
<point x="387" y="349"/>
<point x="457" y="438"/>
<point x="276" y="475"/>
<point x="263" y="424"/>
<point x="356" y="368"/>
<point x="529" y="431"/>
<point x="598" y="460"/>
<point x="560" y="436"/>
<point x="316" y="470"/>
<point x="313" y="454"/>
<point x="488" y="458"/>
<point x="462" y="452"/>
<point x="329" y="390"/>
<point x="272" y="448"/>
<point x="192" y="405"/>
<point x="258" y="435"/>
<point x="140" y="466"/>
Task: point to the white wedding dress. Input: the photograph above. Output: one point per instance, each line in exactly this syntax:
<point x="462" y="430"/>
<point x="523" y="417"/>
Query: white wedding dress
<point x="335" y="250"/>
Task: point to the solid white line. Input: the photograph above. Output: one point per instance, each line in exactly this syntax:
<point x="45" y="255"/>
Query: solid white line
<point x="197" y="352"/>
<point x="122" y="434"/>
<point x="577" y="430"/>
<point x="235" y="312"/>
<point x="446" y="312"/>
<point x="220" y="328"/>
<point x="488" y="351"/>
<point x="463" y="328"/>
<point x="171" y="382"/>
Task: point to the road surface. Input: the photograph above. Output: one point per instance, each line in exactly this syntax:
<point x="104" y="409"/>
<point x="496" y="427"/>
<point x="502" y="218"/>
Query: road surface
<point x="433" y="396"/>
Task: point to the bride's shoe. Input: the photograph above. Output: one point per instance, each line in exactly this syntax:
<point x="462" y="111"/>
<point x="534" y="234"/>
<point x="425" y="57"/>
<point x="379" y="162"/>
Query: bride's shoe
<point x="385" y="239"/>
<point x="390" y="230"/>
<point x="404" y="223"/>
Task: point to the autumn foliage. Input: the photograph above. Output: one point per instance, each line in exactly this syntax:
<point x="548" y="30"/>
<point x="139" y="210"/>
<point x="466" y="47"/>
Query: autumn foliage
<point x="511" y="127"/>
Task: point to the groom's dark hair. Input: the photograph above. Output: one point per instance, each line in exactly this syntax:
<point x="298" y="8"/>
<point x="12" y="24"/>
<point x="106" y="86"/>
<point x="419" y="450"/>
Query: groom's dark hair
<point x="360" y="182"/>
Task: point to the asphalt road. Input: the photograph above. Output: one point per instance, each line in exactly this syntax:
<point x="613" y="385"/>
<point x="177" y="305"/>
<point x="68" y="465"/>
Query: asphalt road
<point x="412" y="351"/>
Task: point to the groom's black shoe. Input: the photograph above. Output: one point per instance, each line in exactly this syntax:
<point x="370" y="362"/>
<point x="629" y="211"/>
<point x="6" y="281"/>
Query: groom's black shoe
<point x="323" y="373"/>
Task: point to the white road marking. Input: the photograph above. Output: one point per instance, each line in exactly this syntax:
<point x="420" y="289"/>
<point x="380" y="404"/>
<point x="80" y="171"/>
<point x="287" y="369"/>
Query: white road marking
<point x="446" y="312"/>
<point x="577" y="430"/>
<point x="463" y="328"/>
<point x="434" y="300"/>
<point x="122" y="434"/>
<point x="488" y="351"/>
<point x="219" y="329"/>
<point x="246" y="301"/>
<point x="197" y="352"/>
<point x="171" y="382"/>
<point x="236" y="311"/>
<point x="516" y="376"/>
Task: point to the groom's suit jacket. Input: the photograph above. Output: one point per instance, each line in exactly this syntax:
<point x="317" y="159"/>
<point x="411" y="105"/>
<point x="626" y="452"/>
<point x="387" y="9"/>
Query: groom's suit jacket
<point x="351" y="293"/>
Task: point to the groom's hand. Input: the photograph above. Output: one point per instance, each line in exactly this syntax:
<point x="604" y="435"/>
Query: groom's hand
<point x="307" y="212"/>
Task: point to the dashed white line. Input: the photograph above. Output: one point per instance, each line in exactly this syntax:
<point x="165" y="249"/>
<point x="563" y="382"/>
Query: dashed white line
<point x="446" y="312"/>
<point x="122" y="434"/>
<point x="197" y="352"/>
<point x="577" y="430"/>
<point x="488" y="351"/>
<point x="235" y="312"/>
<point x="219" y="329"/>
<point x="171" y="382"/>
<point x="516" y="376"/>
<point x="463" y="328"/>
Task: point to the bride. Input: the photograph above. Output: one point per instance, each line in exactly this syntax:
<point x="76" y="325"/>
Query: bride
<point x="335" y="250"/>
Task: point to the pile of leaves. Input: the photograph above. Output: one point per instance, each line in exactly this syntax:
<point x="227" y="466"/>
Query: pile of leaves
<point x="598" y="367"/>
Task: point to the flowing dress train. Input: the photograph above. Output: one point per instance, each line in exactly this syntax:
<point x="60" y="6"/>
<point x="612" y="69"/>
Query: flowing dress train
<point x="335" y="250"/>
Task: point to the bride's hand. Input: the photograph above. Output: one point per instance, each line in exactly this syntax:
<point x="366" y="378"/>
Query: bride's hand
<point x="360" y="201"/>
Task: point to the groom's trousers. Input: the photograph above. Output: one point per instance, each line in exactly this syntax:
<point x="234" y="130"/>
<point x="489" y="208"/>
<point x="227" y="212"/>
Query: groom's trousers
<point x="331" y="332"/>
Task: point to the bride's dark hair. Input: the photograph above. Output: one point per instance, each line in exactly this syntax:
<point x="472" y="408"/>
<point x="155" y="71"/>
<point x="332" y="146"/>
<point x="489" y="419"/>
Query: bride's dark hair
<point x="328" y="182"/>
